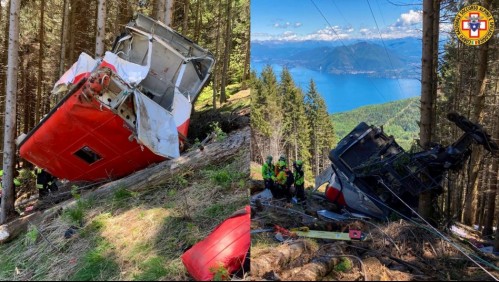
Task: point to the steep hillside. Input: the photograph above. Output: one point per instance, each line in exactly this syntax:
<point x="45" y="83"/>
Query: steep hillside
<point x="398" y="118"/>
<point x="138" y="231"/>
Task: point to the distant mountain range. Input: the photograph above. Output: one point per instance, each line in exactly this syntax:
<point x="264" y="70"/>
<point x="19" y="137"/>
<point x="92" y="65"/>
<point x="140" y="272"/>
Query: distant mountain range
<point x="401" y="59"/>
<point x="399" y="118"/>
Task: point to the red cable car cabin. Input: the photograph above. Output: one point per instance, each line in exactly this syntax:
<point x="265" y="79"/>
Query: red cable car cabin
<point x="124" y="112"/>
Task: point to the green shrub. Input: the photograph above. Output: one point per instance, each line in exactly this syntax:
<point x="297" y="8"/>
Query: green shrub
<point x="344" y="265"/>
<point x="31" y="236"/>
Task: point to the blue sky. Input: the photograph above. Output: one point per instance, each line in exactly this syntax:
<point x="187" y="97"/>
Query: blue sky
<point x="295" y="20"/>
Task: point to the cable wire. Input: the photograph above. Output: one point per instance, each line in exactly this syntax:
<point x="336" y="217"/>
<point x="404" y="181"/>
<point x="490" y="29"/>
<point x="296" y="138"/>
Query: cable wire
<point x="437" y="231"/>
<point x="384" y="46"/>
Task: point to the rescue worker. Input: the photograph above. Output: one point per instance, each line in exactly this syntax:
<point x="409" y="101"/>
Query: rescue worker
<point x="299" y="177"/>
<point x="288" y="193"/>
<point x="281" y="180"/>
<point x="45" y="182"/>
<point x="268" y="174"/>
<point x="16" y="180"/>
<point x="281" y="161"/>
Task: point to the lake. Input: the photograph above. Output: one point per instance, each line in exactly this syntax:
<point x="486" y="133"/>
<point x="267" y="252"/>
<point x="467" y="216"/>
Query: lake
<point x="347" y="92"/>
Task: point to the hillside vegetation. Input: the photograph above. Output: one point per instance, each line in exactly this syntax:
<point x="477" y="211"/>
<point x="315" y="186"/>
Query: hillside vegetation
<point x="398" y="118"/>
<point x="130" y="235"/>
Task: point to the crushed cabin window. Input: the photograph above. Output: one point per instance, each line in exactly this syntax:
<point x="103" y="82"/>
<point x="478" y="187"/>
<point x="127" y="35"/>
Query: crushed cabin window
<point x="88" y="155"/>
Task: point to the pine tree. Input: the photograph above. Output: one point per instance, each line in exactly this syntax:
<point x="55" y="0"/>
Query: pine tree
<point x="297" y="130"/>
<point x="322" y="132"/>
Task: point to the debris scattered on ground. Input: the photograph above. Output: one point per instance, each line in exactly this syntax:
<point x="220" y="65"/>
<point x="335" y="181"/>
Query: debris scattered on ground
<point x="396" y="250"/>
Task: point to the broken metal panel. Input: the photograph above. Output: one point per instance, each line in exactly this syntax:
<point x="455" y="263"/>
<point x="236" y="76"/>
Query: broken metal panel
<point x="324" y="177"/>
<point x="156" y="127"/>
<point x="129" y="72"/>
<point x="182" y="108"/>
<point x="198" y="60"/>
<point x="83" y="66"/>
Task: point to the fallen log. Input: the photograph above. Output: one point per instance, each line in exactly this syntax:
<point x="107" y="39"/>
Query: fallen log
<point x="279" y="257"/>
<point x="313" y="271"/>
<point x="153" y="176"/>
<point x="149" y="177"/>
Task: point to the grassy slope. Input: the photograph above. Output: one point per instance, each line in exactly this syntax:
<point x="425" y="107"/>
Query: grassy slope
<point x="399" y="119"/>
<point x="131" y="236"/>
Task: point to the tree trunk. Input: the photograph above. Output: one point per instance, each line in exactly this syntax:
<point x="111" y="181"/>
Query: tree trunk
<point x="159" y="11"/>
<point x="64" y="37"/>
<point x="496" y="240"/>
<point x="38" y="105"/>
<point x="169" y="12"/>
<point x="217" y="51"/>
<point x="197" y="25"/>
<point x="101" y="29"/>
<point x="9" y="154"/>
<point x="493" y="189"/>
<point x="26" y="97"/>
<point x="478" y="114"/>
<point x="226" y="59"/>
<point x="428" y="89"/>
<point x="3" y="63"/>
<point x="186" y="16"/>
<point x="72" y="26"/>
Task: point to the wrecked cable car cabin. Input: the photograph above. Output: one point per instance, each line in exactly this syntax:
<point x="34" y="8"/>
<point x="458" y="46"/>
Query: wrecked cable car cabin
<point x="125" y="111"/>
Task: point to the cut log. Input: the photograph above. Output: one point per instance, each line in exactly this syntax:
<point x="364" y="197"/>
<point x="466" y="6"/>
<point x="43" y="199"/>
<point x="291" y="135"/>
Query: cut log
<point x="313" y="271"/>
<point x="279" y="257"/>
<point x="213" y="153"/>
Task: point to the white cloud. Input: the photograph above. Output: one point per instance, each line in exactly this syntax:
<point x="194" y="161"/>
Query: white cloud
<point x="284" y="25"/>
<point x="410" y="18"/>
<point x="446" y="27"/>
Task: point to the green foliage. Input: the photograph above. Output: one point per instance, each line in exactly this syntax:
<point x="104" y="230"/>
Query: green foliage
<point x="224" y="176"/>
<point x="97" y="263"/>
<point x="221" y="135"/>
<point x="220" y="211"/>
<point x="152" y="269"/>
<point x="96" y="224"/>
<point x="122" y="194"/>
<point x="74" y="192"/>
<point x="176" y="182"/>
<point x="220" y="273"/>
<point x="76" y="214"/>
<point x="31" y="236"/>
<point x="399" y="118"/>
<point x="344" y="265"/>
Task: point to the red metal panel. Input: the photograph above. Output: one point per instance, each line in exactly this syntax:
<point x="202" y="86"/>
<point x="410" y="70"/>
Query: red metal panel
<point x="184" y="127"/>
<point x="225" y="247"/>
<point x="76" y="124"/>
